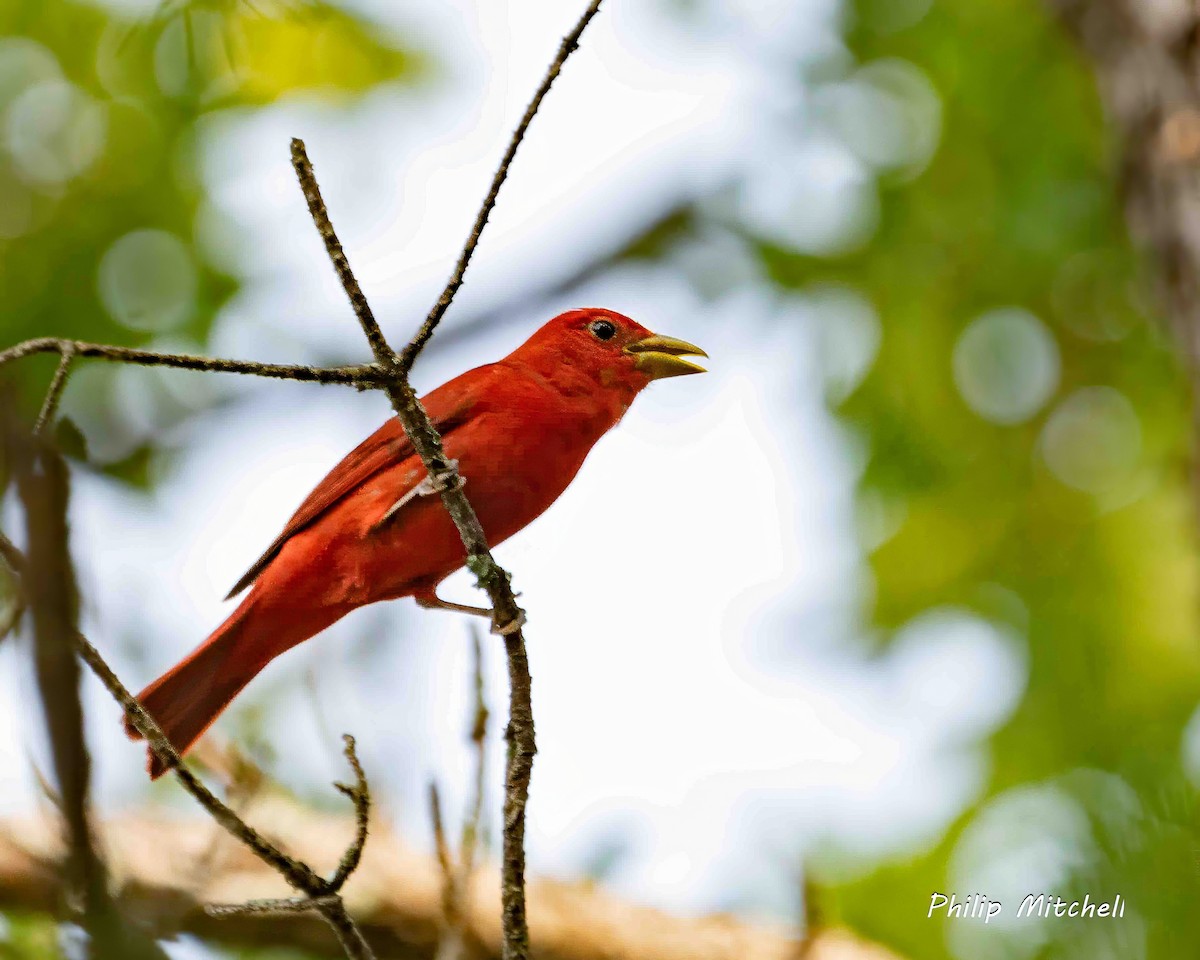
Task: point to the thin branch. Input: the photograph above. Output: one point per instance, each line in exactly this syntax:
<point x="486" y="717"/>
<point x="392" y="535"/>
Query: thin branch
<point x="445" y="859"/>
<point x="384" y="355"/>
<point x="479" y="724"/>
<point x="296" y="873"/>
<point x="360" y="796"/>
<point x="54" y="394"/>
<point x="569" y="45"/>
<point x="269" y="908"/>
<point x="456" y="878"/>
<point x="522" y="746"/>
<point x="362" y="376"/>
<point x="14" y="560"/>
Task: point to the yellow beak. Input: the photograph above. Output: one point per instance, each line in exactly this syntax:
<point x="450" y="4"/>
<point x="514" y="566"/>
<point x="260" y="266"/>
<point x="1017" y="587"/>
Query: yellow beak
<point x="660" y="357"/>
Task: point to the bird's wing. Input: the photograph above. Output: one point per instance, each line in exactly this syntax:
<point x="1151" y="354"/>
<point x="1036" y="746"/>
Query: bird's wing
<point x="448" y="407"/>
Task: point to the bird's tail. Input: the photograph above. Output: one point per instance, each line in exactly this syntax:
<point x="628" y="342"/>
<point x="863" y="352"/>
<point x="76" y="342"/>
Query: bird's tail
<point x="186" y="699"/>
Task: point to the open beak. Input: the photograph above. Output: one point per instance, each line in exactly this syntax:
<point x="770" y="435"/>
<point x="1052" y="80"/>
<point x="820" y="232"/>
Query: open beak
<point x="660" y="357"/>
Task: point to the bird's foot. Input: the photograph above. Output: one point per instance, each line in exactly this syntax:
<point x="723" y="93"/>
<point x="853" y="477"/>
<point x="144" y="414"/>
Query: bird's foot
<point x="439" y="480"/>
<point x="513" y="625"/>
<point x="433" y="483"/>
<point x="431" y="601"/>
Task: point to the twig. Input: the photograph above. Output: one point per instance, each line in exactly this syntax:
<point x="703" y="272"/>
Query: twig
<point x="15" y="561"/>
<point x="456" y="878"/>
<point x="269" y="908"/>
<point x="363" y="376"/>
<point x="54" y="394"/>
<point x="384" y="355"/>
<point x="568" y="46"/>
<point x="444" y="858"/>
<point x="479" y="724"/>
<point x="296" y="873"/>
<point x="453" y="919"/>
<point x="360" y="796"/>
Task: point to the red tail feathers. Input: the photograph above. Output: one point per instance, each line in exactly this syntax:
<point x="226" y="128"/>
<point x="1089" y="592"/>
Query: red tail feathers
<point x="186" y="699"/>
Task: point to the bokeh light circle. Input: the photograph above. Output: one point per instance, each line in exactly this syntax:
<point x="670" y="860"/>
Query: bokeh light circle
<point x="148" y="281"/>
<point x="1093" y="439"/>
<point x="1006" y="365"/>
<point x="54" y="131"/>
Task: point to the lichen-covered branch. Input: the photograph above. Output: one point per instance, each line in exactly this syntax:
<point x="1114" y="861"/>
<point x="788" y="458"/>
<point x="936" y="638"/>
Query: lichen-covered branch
<point x="506" y="615"/>
<point x="363" y="376"/>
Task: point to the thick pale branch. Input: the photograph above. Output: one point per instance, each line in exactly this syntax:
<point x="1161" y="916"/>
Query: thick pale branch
<point x="396" y="896"/>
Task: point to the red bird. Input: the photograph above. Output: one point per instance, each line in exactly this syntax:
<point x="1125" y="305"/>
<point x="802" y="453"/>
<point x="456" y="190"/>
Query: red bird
<point x="372" y="530"/>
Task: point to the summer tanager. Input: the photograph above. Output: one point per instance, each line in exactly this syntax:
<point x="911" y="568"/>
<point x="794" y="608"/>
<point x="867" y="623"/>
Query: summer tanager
<point x="374" y="528"/>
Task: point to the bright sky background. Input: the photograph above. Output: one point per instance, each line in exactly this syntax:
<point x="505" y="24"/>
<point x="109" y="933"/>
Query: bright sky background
<point x="692" y="599"/>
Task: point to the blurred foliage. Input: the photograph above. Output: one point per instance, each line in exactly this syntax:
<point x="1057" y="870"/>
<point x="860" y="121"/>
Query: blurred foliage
<point x="1026" y="427"/>
<point x="28" y="936"/>
<point x="101" y="198"/>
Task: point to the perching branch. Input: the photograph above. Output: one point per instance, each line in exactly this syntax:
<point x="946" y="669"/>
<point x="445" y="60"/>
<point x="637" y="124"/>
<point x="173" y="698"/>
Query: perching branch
<point x="507" y="617"/>
<point x="389" y="373"/>
<point x="360" y="796"/>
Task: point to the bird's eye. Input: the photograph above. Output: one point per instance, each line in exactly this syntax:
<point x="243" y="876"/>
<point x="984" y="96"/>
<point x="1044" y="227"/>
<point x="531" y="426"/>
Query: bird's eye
<point x="603" y="329"/>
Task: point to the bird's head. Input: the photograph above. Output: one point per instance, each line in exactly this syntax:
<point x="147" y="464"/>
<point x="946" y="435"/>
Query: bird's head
<point x="610" y="348"/>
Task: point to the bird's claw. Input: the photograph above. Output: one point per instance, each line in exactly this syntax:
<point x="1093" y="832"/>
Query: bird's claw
<point x="447" y="479"/>
<point x="513" y="625"/>
<point x="434" y="483"/>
